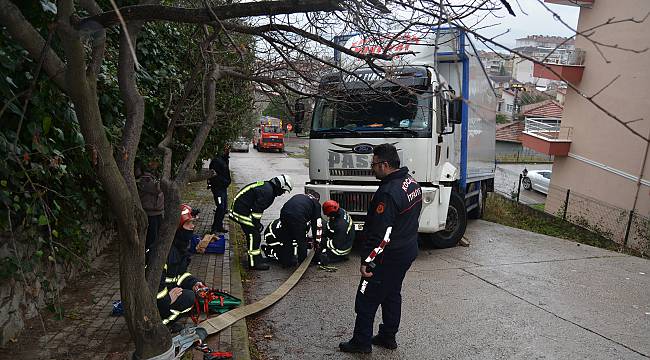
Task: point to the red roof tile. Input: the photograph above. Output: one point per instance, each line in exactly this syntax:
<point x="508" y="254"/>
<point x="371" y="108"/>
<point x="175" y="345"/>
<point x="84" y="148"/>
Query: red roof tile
<point x="545" y="109"/>
<point x="510" y="132"/>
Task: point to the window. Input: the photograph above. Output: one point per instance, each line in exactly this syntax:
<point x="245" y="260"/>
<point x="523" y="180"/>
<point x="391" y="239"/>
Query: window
<point x="509" y="107"/>
<point x="376" y="109"/>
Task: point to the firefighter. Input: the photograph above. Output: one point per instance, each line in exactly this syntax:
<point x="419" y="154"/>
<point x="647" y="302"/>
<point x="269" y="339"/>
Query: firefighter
<point x="247" y="208"/>
<point x="176" y="293"/>
<point x="272" y="243"/>
<point x="391" y="246"/>
<point x="218" y="184"/>
<point x="297" y="216"/>
<point x="338" y="234"/>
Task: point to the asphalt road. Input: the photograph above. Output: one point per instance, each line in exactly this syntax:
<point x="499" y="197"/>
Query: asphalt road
<point x="510" y="295"/>
<point x="506" y="177"/>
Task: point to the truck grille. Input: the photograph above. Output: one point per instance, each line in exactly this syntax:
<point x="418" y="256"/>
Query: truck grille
<point x="351" y="172"/>
<point x="352" y="201"/>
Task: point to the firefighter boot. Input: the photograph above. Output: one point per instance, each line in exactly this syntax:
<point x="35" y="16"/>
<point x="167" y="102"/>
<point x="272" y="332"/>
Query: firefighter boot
<point x="352" y="347"/>
<point x="259" y="266"/>
<point x="387" y="342"/>
<point x="257" y="262"/>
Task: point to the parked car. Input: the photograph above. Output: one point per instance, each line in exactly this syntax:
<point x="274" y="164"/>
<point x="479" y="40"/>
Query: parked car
<point x="241" y="144"/>
<point x="537" y="180"/>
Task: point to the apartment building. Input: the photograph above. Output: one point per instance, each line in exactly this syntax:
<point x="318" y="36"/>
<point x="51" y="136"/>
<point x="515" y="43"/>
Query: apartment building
<point x="605" y="165"/>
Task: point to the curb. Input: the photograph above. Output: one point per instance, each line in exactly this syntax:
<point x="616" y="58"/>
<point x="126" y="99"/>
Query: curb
<point x="239" y="338"/>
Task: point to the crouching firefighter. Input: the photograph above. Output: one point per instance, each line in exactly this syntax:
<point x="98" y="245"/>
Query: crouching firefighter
<point x="176" y="293"/>
<point x="297" y="216"/>
<point x="338" y="235"/>
<point x="247" y="209"/>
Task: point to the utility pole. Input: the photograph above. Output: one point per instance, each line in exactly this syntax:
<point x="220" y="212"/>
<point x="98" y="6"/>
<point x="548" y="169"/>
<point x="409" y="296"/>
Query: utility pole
<point x="515" y="106"/>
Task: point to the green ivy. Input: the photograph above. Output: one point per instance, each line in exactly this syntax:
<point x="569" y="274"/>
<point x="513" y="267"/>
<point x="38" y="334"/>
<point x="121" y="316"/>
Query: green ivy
<point x="48" y="186"/>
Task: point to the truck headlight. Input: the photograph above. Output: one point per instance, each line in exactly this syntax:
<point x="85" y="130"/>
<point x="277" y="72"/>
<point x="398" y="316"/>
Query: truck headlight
<point x="428" y="196"/>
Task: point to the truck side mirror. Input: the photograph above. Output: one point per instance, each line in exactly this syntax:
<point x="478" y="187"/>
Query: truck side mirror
<point x="299" y="117"/>
<point x="456" y="111"/>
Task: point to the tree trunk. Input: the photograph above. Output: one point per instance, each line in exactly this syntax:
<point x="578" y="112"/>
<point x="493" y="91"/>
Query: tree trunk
<point x="151" y="337"/>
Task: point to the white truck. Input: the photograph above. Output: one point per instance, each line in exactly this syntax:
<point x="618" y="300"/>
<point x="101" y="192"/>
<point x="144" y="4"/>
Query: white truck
<point x="437" y="107"/>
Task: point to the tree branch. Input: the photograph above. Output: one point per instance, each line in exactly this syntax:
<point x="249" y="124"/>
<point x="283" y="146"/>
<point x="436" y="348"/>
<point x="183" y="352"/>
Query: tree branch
<point x="308" y="35"/>
<point x="133" y="102"/>
<point x="189" y="87"/>
<point x="24" y="34"/>
<point x="569" y="84"/>
<point x="98" y="40"/>
<point x="203" y="16"/>
<point x="210" y="117"/>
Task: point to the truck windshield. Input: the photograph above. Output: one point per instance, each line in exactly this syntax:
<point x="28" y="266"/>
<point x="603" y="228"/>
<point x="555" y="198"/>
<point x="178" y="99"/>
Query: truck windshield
<point x="396" y="110"/>
<point x="272" y="129"/>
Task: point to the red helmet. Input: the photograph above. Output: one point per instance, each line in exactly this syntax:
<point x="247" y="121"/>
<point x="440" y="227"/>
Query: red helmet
<point x="186" y="214"/>
<point x="330" y="207"/>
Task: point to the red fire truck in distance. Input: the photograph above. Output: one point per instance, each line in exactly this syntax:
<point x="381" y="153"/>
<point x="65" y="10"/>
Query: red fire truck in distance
<point x="269" y="135"/>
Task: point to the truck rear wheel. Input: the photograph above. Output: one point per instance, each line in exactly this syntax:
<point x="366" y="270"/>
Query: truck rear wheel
<point x="477" y="212"/>
<point x="455" y="224"/>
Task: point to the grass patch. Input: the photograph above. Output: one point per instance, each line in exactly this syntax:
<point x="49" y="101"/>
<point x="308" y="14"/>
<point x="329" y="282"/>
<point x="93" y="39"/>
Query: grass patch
<point x="236" y="238"/>
<point x="539" y="207"/>
<point x="503" y="211"/>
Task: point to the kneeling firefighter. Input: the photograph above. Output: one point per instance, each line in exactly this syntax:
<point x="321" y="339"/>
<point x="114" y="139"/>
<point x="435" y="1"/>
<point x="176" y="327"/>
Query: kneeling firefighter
<point x="247" y="209"/>
<point x="176" y="293"/>
<point x="272" y="244"/>
<point x="338" y="234"/>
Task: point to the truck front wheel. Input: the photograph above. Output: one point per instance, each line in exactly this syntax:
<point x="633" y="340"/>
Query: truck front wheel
<point x="455" y="224"/>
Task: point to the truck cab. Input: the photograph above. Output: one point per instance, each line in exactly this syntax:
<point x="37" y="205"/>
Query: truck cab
<point x="443" y="131"/>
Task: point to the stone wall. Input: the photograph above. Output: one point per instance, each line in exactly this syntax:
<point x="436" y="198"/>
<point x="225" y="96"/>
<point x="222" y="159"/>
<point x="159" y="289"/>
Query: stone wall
<point x="28" y="292"/>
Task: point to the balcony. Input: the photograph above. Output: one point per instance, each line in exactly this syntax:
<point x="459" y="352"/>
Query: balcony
<point x="571" y="71"/>
<point x="545" y="135"/>
<point x="580" y="3"/>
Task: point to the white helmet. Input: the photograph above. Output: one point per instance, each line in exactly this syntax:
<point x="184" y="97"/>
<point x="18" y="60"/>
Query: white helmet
<point x="284" y="182"/>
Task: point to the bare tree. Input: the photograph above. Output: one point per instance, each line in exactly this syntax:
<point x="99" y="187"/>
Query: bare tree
<point x="293" y="52"/>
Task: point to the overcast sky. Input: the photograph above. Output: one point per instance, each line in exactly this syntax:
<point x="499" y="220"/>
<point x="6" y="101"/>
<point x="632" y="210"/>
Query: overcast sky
<point x="537" y="21"/>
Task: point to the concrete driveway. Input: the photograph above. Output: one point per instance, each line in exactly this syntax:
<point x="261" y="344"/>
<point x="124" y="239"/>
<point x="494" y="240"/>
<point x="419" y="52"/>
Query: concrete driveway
<point x="510" y="295"/>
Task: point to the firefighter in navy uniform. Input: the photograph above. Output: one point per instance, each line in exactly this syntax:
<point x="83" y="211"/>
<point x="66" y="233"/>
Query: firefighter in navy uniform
<point x="338" y="235"/>
<point x="391" y="246"/>
<point x="176" y="293"/>
<point x="218" y="184"/>
<point x="247" y="209"/>
<point x="285" y="238"/>
<point x="297" y="216"/>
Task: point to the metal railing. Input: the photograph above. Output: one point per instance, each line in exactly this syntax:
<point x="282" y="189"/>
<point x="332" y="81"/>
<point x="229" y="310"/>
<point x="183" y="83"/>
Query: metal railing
<point x="573" y="57"/>
<point x="548" y="128"/>
<point x="625" y="227"/>
<point x="576" y="57"/>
